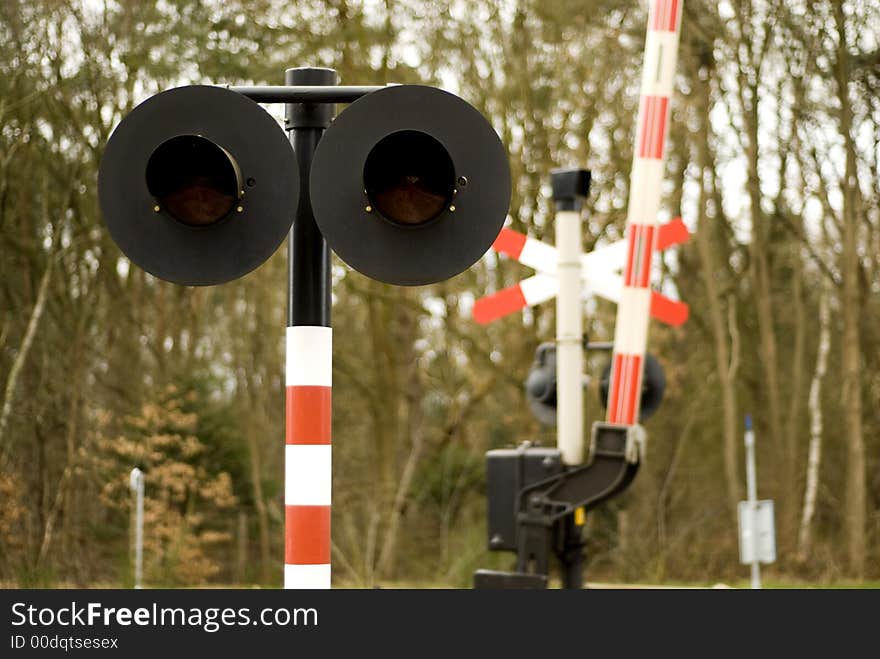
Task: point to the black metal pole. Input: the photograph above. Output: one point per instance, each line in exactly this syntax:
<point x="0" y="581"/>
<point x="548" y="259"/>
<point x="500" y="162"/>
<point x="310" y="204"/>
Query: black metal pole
<point x="308" y="278"/>
<point x="572" y="555"/>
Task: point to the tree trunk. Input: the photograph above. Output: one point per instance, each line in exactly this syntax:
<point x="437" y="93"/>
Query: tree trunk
<point x="725" y="362"/>
<point x="21" y="357"/>
<point x="752" y="46"/>
<point x="255" y="464"/>
<point x="855" y="503"/>
<point x="814" y="457"/>
<point x="793" y="426"/>
<point x="386" y="562"/>
<point x="260" y="505"/>
<point x="241" y="546"/>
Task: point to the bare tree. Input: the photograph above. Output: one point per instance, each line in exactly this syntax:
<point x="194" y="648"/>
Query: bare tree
<point x="855" y="502"/>
<point x="814" y="458"/>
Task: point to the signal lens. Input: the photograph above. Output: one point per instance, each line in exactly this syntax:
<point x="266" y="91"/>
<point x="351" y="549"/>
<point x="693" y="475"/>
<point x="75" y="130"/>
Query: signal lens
<point x="409" y="177"/>
<point x="194" y="180"/>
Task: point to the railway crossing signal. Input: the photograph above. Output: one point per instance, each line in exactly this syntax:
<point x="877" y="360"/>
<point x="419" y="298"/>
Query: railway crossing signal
<point x="550" y="490"/>
<point x="410" y="186"/>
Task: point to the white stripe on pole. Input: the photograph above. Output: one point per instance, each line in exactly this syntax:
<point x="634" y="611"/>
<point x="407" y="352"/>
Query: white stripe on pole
<point x="569" y="339"/>
<point x="307" y="474"/>
<point x="660" y="55"/>
<point x="630" y="338"/>
<point x="309" y="356"/>
<point x="307" y="576"/>
<point x="644" y="192"/>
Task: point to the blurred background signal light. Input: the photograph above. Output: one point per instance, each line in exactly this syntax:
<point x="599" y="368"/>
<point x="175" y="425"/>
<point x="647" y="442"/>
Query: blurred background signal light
<point x="540" y="384"/>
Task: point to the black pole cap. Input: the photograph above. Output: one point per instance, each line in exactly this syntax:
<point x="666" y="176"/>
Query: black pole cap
<point x="309" y="115"/>
<point x="570" y="187"/>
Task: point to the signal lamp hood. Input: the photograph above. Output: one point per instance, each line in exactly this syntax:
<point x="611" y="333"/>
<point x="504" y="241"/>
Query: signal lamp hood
<point x="410" y="185"/>
<point x="198" y="185"/>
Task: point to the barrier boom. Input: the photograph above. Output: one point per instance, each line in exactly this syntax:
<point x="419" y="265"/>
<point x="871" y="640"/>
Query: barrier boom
<point x="633" y="310"/>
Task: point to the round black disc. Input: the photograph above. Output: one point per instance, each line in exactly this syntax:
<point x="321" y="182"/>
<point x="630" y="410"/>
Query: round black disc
<point x="410" y="185"/>
<point x="223" y="243"/>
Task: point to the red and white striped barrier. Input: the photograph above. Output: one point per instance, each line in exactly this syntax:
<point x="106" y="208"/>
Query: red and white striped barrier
<point x="635" y="305"/>
<point x="598" y="271"/>
<point x="307" y="459"/>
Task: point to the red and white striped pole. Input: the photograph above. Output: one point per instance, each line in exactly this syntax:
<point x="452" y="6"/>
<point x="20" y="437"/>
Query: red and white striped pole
<point x="307" y="457"/>
<point x="308" y="372"/>
<point x="631" y="329"/>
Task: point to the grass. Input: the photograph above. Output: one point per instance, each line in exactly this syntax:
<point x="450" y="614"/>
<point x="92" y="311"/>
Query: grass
<point x="770" y="584"/>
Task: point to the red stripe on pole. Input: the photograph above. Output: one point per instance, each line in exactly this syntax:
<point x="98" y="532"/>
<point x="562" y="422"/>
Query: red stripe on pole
<point x="630" y="256"/>
<point x="633" y="388"/>
<point x="646" y="250"/>
<point x="510" y="242"/>
<point x="658" y="13"/>
<point x="672" y="26"/>
<point x="653" y="128"/>
<point x="638" y="259"/>
<point x="614" y="394"/>
<point x="646" y="102"/>
<point x="505" y="301"/>
<point x="671" y="312"/>
<point x="646" y="125"/>
<point x="623" y="401"/>
<point x="665" y="13"/>
<point x="671" y="233"/>
<point x="671" y="16"/>
<point x="307" y="530"/>
<point x="309" y="412"/>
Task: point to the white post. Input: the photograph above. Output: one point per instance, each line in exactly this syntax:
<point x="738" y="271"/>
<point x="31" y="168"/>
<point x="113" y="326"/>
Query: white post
<point x="570" y="188"/>
<point x="136" y="483"/>
<point x="569" y="339"/>
<point x="752" y="490"/>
